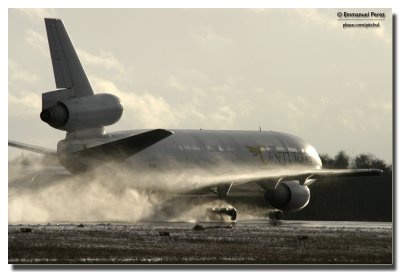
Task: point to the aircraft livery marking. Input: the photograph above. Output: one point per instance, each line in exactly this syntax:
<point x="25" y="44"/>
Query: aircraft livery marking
<point x="257" y="151"/>
<point x="271" y="155"/>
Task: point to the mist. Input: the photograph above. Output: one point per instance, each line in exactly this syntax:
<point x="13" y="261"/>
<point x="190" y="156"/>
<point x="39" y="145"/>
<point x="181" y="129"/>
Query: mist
<point x="116" y="192"/>
<point x="39" y="193"/>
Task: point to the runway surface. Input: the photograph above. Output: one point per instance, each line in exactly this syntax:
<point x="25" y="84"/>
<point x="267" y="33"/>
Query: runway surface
<point x="242" y="242"/>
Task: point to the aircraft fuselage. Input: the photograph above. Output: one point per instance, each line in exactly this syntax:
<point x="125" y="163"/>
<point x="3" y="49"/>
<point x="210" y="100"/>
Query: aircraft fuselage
<point x="206" y="149"/>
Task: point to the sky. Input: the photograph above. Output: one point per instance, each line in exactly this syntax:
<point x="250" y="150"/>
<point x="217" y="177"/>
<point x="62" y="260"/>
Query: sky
<point x="292" y="70"/>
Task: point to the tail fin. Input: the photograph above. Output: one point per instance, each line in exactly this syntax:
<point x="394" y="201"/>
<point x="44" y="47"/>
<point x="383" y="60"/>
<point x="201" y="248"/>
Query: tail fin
<point x="68" y="70"/>
<point x="74" y="107"/>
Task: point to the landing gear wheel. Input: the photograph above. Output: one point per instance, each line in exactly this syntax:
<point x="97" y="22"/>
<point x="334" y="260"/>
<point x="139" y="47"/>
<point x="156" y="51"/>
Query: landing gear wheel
<point x="232" y="213"/>
<point x="226" y="211"/>
<point x="276" y="215"/>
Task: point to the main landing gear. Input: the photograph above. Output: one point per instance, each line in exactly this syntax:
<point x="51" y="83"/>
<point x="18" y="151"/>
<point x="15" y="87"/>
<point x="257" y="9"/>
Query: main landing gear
<point x="276" y="215"/>
<point x="231" y="212"/>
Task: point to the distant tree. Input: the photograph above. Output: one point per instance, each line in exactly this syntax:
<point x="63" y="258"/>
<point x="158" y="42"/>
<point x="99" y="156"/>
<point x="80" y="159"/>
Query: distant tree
<point x="362" y="161"/>
<point x="342" y="160"/>
<point x="327" y="161"/>
<point x="370" y="161"/>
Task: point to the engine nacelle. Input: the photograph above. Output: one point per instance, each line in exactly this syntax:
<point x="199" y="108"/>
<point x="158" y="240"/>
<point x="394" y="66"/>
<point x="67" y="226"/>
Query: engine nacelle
<point x="83" y="112"/>
<point x="289" y="196"/>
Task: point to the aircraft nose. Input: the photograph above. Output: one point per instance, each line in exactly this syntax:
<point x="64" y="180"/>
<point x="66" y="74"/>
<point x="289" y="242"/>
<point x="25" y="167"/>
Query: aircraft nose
<point x="310" y="150"/>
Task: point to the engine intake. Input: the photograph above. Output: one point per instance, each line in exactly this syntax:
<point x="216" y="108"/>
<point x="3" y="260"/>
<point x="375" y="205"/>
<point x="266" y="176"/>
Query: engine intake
<point x="56" y="116"/>
<point x="289" y="196"/>
<point x="83" y="112"/>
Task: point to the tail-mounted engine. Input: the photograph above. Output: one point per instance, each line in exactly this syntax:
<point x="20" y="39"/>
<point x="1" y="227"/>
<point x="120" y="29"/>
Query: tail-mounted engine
<point x="288" y="196"/>
<point x="74" y="107"/>
<point x="75" y="113"/>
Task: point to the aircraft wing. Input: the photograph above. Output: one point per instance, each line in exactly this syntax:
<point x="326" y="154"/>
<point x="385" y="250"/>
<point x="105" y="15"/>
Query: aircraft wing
<point x="345" y="173"/>
<point x="267" y="179"/>
<point x="305" y="177"/>
<point x="123" y="148"/>
<point x="309" y="177"/>
<point x="33" y="148"/>
<point x="270" y="178"/>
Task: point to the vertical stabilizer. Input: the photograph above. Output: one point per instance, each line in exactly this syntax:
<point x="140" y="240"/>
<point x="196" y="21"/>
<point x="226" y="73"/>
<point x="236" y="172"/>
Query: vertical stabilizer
<point x="68" y="70"/>
<point x="73" y="107"/>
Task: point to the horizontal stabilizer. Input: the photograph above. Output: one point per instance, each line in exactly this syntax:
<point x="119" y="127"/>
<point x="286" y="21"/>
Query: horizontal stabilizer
<point x="121" y="149"/>
<point x="32" y="148"/>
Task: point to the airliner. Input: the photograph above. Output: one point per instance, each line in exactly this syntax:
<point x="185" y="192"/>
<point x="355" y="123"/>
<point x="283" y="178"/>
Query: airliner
<point x="281" y="165"/>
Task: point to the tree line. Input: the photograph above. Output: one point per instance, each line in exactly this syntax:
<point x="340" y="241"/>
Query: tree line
<point x="361" y="161"/>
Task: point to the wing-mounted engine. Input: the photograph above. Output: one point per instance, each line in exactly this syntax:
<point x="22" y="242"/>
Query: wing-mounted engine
<point x="288" y="196"/>
<point x="77" y="113"/>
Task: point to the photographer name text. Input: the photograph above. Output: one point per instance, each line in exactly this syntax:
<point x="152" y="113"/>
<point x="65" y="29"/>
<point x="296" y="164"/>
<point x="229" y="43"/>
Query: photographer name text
<point x="361" y="15"/>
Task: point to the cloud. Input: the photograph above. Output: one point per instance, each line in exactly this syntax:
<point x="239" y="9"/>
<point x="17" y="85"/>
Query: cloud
<point x="35" y="13"/>
<point x="17" y="74"/>
<point x="19" y="99"/>
<point x="151" y="111"/>
<point x="314" y="16"/>
<point x="207" y="36"/>
<point x="193" y="74"/>
<point x="144" y="110"/>
<point x="103" y="59"/>
<point x="174" y="83"/>
<point x="187" y="80"/>
<point x="22" y="99"/>
<point x="37" y="41"/>
<point x="224" y="116"/>
<point x="25" y="76"/>
<point x="26" y="103"/>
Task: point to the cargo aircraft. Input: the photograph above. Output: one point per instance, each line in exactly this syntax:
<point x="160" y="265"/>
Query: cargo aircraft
<point x="288" y="164"/>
